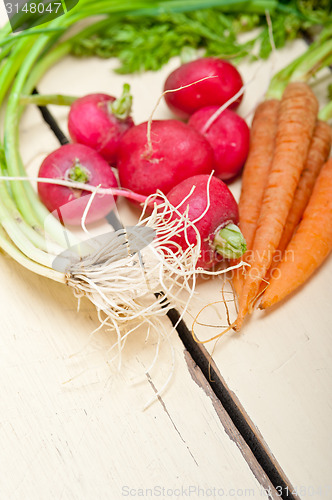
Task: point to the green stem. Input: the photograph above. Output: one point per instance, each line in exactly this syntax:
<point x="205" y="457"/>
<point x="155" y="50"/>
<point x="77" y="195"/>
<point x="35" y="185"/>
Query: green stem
<point x="160" y="7"/>
<point x="121" y="107"/>
<point x="39" y="69"/>
<point x="280" y="80"/>
<point x="13" y="63"/>
<point x="13" y="251"/>
<point x="35" y="237"/>
<point x="25" y="197"/>
<point x="326" y="112"/>
<point x="46" y="99"/>
<point x="20" y="239"/>
<point x="24" y="34"/>
<point x="78" y="173"/>
<point x="188" y="54"/>
<point x="16" y="59"/>
<point x="314" y="61"/>
<point x="5" y="30"/>
<point x="318" y="56"/>
<point x="5" y="51"/>
<point x="229" y="242"/>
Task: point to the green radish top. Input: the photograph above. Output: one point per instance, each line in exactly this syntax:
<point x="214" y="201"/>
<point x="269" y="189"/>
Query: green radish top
<point x="229" y="242"/>
<point x="78" y="173"/>
<point x="304" y="67"/>
<point x="121" y="107"/>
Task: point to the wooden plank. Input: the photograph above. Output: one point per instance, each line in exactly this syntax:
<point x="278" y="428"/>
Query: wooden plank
<point x="90" y="438"/>
<point x="236" y="411"/>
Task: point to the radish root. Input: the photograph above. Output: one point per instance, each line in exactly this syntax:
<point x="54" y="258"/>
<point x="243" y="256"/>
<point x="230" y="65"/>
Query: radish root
<point x="129" y="288"/>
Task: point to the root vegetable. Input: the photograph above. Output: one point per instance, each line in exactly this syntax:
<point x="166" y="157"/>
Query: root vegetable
<point x="317" y="156"/>
<point x="99" y="121"/>
<point x="214" y="212"/>
<point x="318" y="153"/>
<point x="177" y="152"/>
<point x="255" y="175"/>
<point x="296" y="122"/>
<point x="79" y="163"/>
<point x="310" y="245"/>
<point x="224" y="83"/>
<point x="228" y="136"/>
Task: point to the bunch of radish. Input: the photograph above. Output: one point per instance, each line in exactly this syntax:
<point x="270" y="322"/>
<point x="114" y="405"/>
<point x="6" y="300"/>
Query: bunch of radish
<point x="169" y="156"/>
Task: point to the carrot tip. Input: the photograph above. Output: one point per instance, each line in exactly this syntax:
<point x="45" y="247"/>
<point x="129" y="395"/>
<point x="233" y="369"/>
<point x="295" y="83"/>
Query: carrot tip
<point x="238" y="322"/>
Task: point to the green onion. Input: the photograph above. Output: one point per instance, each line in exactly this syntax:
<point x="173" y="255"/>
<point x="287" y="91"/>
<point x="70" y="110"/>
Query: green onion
<point x="45" y="100"/>
<point x="303" y="68"/>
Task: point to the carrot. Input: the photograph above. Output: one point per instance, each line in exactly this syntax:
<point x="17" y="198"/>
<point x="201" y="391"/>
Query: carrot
<point x="310" y="245"/>
<point x="257" y="167"/>
<point x="296" y="122"/>
<point x="318" y="154"/>
<point x="255" y="175"/>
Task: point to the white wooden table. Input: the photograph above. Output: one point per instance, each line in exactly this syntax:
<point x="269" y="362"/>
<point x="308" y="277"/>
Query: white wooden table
<point x="73" y="427"/>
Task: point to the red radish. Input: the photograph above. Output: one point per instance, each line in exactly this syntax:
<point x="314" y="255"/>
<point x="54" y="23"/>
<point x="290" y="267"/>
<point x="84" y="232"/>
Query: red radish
<point x="226" y="82"/>
<point x="79" y="163"/>
<point x="100" y="120"/>
<point x="178" y="151"/>
<point x="229" y="137"/>
<point x="220" y="236"/>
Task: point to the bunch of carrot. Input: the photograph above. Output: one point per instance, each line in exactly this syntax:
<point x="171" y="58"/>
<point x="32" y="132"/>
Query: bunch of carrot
<point x="286" y="200"/>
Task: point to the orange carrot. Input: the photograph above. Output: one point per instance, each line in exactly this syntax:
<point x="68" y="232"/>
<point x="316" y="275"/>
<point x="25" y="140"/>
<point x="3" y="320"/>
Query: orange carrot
<point x="296" y="122"/>
<point x="318" y="154"/>
<point x="310" y="245"/>
<point x="255" y="174"/>
<point x="257" y="167"/>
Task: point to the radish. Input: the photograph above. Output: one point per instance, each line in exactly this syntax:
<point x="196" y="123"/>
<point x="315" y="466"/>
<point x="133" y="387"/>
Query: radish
<point x="215" y="219"/>
<point x="175" y="152"/>
<point x="76" y="162"/>
<point x="100" y="120"/>
<point x="224" y="83"/>
<point x="229" y="137"/>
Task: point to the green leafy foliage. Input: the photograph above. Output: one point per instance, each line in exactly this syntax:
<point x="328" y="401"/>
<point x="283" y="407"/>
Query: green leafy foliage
<point x="318" y="10"/>
<point x="143" y="42"/>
